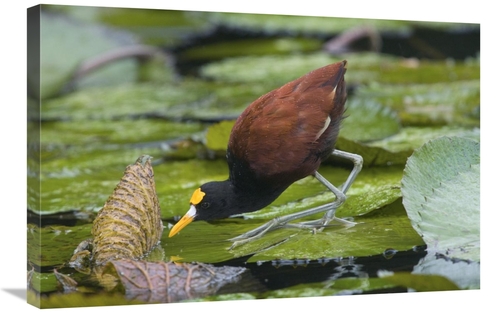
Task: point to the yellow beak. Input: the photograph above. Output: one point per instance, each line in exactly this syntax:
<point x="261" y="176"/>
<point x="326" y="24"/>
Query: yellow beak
<point x="184" y="221"/>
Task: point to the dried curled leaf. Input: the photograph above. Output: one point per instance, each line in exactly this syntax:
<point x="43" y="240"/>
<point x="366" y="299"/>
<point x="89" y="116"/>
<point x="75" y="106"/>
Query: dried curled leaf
<point x="81" y="259"/>
<point x="129" y="225"/>
<point x="127" y="229"/>
<point x="169" y="282"/>
<point x="65" y="282"/>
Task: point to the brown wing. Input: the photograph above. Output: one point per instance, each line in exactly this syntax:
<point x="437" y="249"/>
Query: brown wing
<point x="286" y="132"/>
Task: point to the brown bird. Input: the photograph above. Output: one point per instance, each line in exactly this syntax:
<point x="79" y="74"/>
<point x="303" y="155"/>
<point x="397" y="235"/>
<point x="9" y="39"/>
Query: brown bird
<point x="282" y="137"/>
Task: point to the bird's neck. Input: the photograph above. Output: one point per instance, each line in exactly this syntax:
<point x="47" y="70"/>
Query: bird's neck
<point x="249" y="198"/>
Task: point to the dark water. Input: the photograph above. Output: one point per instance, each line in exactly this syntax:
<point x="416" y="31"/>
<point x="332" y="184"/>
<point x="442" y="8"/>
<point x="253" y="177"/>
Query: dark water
<point x="421" y="43"/>
<point x="279" y="274"/>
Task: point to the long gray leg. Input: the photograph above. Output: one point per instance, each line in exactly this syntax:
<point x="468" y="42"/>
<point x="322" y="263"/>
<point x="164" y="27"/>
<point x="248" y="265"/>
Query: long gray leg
<point x="329" y="216"/>
<point x="329" y="208"/>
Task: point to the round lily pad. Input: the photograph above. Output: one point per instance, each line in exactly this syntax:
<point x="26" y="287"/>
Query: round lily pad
<point x="440" y="188"/>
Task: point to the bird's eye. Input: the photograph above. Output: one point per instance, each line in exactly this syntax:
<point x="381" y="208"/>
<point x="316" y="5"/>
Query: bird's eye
<point x="205" y="205"/>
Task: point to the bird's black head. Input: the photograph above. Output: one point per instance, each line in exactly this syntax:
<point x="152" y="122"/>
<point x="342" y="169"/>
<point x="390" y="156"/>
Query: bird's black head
<point x="221" y="199"/>
<point x="213" y="200"/>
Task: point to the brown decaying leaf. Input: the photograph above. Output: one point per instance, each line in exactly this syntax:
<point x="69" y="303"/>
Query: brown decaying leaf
<point x="67" y="283"/>
<point x="81" y="259"/>
<point x="129" y="225"/>
<point x="125" y="230"/>
<point x="169" y="282"/>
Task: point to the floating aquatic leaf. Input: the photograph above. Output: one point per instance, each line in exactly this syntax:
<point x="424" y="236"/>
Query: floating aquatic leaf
<point x="125" y="101"/>
<point x="387" y="227"/>
<point x="59" y="60"/>
<point x="411" y="138"/>
<point x="374" y="188"/>
<point x="99" y="133"/>
<point x="217" y="135"/>
<point x="185" y="100"/>
<point x="396" y="149"/>
<point x="42" y="282"/>
<point x="439" y="103"/>
<point x="170" y="282"/>
<point x="272" y="71"/>
<point x="440" y="188"/>
<point x="372" y="198"/>
<point x="129" y="225"/>
<point x="362" y="68"/>
<point x="342" y="286"/>
<point x="254" y="46"/>
<point x="78" y="299"/>
<point x="419" y="282"/>
<point x="464" y="273"/>
<point x="53" y="245"/>
<point x="159" y="27"/>
<point x="368" y="120"/>
<point x="272" y="23"/>
<point x="79" y="179"/>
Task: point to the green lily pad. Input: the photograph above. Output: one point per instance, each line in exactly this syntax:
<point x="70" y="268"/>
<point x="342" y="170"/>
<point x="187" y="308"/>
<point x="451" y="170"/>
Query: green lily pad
<point x="271" y="70"/>
<point x="59" y="56"/>
<point x="343" y="286"/>
<point x="419" y="282"/>
<point x="440" y="190"/>
<point x="373" y="188"/>
<point x="362" y="68"/>
<point x="368" y="121"/>
<point x="42" y="282"/>
<point x="411" y="138"/>
<point x="374" y="70"/>
<point x="231" y="297"/>
<point x="54" y="245"/>
<point x="121" y="101"/>
<point x="217" y="136"/>
<point x="440" y="103"/>
<point x="373" y="155"/>
<point x="79" y="178"/>
<point x="464" y="273"/>
<point x="79" y="299"/>
<point x="385" y="228"/>
<point x="158" y="27"/>
<point x="273" y="23"/>
<point x="190" y="99"/>
<point x="396" y="149"/>
<point x="257" y="46"/>
<point x="106" y="133"/>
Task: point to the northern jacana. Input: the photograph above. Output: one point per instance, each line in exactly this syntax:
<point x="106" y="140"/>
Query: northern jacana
<point x="282" y="137"/>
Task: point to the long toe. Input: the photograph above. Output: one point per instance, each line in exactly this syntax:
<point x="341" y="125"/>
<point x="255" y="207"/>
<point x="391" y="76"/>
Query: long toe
<point x="319" y="224"/>
<point x="256" y="232"/>
<point x="237" y="243"/>
<point x="244" y="238"/>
